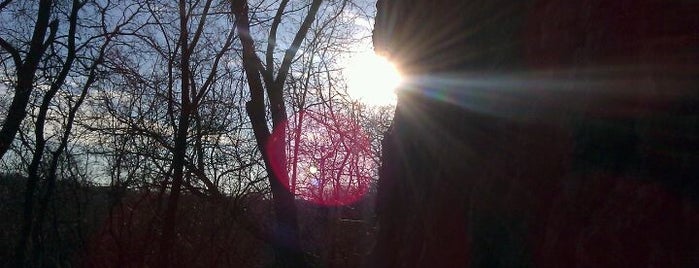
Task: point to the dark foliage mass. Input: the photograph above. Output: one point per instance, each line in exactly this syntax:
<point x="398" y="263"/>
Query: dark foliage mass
<point x="541" y="134"/>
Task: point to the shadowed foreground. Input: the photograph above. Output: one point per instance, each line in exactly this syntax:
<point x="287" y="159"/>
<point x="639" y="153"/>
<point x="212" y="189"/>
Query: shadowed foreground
<point x="541" y="134"/>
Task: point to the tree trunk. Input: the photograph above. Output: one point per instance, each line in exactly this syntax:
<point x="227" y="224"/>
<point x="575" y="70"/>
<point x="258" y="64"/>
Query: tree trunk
<point x="33" y="171"/>
<point x="169" y="234"/>
<point x="25" y="72"/>
<point x="521" y="122"/>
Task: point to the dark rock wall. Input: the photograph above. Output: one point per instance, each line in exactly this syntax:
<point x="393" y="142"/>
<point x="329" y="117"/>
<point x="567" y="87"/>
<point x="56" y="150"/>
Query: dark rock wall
<point x="541" y="133"/>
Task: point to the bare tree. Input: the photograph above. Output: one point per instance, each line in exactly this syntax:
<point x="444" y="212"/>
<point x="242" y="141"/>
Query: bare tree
<point x="55" y="67"/>
<point x="273" y="149"/>
<point x="190" y="95"/>
<point x="162" y="86"/>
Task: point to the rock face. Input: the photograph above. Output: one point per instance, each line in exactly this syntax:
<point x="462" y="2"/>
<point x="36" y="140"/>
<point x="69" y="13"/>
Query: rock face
<point x="541" y="133"/>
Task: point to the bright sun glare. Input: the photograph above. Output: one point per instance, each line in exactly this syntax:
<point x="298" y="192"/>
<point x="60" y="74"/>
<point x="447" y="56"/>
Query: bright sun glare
<point x="372" y="79"/>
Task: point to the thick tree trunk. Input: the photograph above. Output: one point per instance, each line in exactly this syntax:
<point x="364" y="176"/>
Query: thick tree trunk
<point x="524" y="125"/>
<point x="286" y="241"/>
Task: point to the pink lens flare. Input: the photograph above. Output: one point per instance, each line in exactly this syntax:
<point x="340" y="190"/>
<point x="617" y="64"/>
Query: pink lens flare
<point x="328" y="157"/>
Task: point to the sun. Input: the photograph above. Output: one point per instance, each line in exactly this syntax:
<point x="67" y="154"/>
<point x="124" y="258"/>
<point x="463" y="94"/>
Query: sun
<point x="372" y="79"/>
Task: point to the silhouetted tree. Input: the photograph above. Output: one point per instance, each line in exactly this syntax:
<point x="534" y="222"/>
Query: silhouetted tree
<point x="74" y="38"/>
<point x="540" y="133"/>
<point x="190" y="95"/>
<point x="273" y="150"/>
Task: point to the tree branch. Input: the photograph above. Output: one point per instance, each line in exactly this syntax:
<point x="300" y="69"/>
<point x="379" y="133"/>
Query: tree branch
<point x="272" y="41"/>
<point x="16" y="58"/>
<point x="256" y="106"/>
<point x="300" y="35"/>
<point x="4" y="4"/>
<point x="200" y="27"/>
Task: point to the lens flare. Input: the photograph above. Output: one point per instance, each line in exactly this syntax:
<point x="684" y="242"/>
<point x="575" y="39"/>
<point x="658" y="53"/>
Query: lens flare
<point x="328" y="158"/>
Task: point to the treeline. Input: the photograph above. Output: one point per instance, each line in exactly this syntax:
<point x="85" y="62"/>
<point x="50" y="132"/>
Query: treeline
<point x="95" y="226"/>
